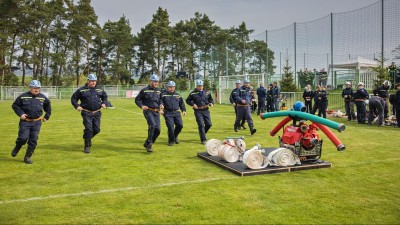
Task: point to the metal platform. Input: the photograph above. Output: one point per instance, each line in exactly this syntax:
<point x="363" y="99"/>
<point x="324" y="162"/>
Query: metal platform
<point x="241" y="169"/>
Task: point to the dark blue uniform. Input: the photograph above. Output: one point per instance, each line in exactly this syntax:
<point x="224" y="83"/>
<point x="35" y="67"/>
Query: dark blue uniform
<point x="376" y="106"/>
<point x="275" y="92"/>
<point x="396" y="105"/>
<point x="243" y="108"/>
<point x="262" y="95"/>
<point x="202" y="99"/>
<point x="150" y="97"/>
<point x="172" y="103"/>
<point x="91" y="100"/>
<point x="359" y="98"/>
<point x="347" y="95"/>
<point x="307" y="96"/>
<point x="29" y="129"/>
<point x="323" y="103"/>
<point x="232" y="100"/>
<point x="383" y="92"/>
<point x="316" y="101"/>
<point x="269" y="100"/>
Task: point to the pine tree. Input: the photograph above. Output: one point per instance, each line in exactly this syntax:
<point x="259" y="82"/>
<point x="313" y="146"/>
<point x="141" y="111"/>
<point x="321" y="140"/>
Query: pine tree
<point x="382" y="73"/>
<point x="287" y="81"/>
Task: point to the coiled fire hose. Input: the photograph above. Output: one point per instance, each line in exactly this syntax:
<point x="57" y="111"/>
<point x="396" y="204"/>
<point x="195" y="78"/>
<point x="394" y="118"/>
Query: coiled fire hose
<point x="213" y="146"/>
<point x="283" y="157"/>
<point x="228" y="154"/>
<point x="240" y="145"/>
<point x="228" y="151"/>
<point x="254" y="159"/>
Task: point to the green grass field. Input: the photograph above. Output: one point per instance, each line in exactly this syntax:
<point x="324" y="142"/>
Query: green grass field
<point x="119" y="183"/>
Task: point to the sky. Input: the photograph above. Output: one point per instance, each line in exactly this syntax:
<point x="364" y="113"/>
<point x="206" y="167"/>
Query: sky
<point x="259" y="15"/>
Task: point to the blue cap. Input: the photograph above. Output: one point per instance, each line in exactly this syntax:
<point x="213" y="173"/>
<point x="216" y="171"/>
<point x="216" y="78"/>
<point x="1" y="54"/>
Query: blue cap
<point x="199" y="82"/>
<point x="92" y="77"/>
<point x="171" y="84"/>
<point x="246" y="81"/>
<point x="154" y="77"/>
<point x="34" y="84"/>
<point x="238" y="82"/>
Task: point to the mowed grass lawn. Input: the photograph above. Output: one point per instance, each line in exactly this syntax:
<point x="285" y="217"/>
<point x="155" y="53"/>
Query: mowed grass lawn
<point x="120" y="183"/>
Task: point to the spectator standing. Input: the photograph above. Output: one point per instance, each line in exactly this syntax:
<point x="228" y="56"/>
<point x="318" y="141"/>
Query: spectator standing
<point x="359" y="98"/>
<point x="307" y="96"/>
<point x="347" y="95"/>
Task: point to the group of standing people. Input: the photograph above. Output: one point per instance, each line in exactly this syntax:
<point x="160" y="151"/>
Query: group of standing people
<point x="319" y="97"/>
<point x="267" y="99"/>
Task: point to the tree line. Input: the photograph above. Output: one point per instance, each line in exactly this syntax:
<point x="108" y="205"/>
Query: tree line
<point x="61" y="41"/>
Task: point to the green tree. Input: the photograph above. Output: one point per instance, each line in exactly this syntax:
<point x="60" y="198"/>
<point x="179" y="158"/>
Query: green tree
<point x="260" y="52"/>
<point x="145" y="52"/>
<point x="287" y="81"/>
<point x="238" y="42"/>
<point x="119" y="43"/>
<point x="161" y="32"/>
<point x="82" y="28"/>
<point x="8" y="34"/>
<point x="381" y="72"/>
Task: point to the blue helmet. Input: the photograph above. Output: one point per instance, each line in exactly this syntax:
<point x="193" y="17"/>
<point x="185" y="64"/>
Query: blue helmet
<point x="154" y="77"/>
<point x="34" y="84"/>
<point x="171" y="84"/>
<point x="246" y="81"/>
<point x="92" y="77"/>
<point x="199" y="82"/>
<point x="238" y="82"/>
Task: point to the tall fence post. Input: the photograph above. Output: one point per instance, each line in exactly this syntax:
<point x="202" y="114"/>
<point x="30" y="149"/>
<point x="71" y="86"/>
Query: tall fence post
<point x="332" y="49"/>
<point x="383" y="33"/>
<point x="266" y="62"/>
<point x="295" y="55"/>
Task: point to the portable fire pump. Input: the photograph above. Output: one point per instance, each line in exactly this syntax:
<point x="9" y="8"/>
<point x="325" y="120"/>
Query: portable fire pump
<point x="302" y="138"/>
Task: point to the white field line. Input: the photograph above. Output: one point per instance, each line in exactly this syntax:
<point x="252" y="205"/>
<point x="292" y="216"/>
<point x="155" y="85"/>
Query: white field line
<point x="106" y="191"/>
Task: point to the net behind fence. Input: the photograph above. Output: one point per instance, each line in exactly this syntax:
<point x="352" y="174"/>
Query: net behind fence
<point x="365" y="34"/>
<point x="228" y="83"/>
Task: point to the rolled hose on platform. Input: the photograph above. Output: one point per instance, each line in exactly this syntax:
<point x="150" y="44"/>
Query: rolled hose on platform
<point x="254" y="159"/>
<point x="302" y="115"/>
<point x="283" y="157"/>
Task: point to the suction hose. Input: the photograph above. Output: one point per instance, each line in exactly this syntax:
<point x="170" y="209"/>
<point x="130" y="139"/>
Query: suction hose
<point x="339" y="145"/>
<point x="302" y="115"/>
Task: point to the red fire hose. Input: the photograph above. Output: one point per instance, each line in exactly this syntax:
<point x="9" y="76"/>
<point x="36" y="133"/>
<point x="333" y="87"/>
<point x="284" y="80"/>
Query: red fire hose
<point x="280" y="125"/>
<point x="339" y="145"/>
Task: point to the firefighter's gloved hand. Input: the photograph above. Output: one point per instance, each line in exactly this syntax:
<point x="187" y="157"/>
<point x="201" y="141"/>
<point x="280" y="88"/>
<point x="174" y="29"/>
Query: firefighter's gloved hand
<point x="79" y="108"/>
<point x="103" y="106"/>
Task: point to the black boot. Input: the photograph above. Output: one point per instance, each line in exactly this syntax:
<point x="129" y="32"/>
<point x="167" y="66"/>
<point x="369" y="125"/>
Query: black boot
<point x="149" y="147"/>
<point x="28" y="155"/>
<point x="235" y="127"/>
<point x="88" y="143"/>
<point x="15" y="150"/>
<point x="243" y="126"/>
<point x="252" y="130"/>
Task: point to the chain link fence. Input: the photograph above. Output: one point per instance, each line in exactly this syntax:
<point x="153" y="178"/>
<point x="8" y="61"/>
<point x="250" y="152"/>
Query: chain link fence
<point x="346" y="41"/>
